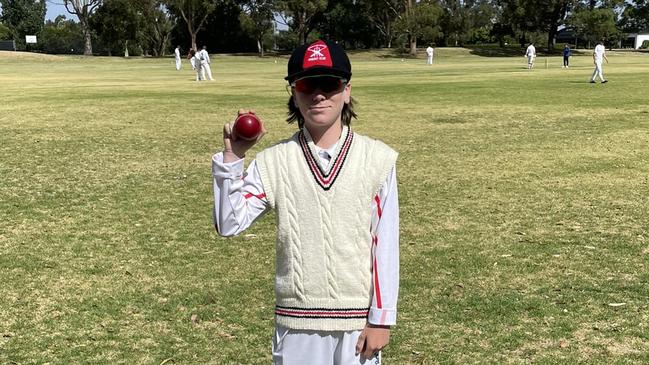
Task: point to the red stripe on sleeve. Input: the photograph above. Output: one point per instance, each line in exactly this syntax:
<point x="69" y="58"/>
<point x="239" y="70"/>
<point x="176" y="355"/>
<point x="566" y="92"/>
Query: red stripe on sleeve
<point x="258" y="196"/>
<point x="378" y="205"/>
<point x="377" y="289"/>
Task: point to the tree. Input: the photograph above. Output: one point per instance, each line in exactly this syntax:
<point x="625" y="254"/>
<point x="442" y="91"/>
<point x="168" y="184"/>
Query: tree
<point x="5" y="32"/>
<point x="347" y="21"/>
<point x="529" y="17"/>
<point x="455" y="21"/>
<point x="62" y="36"/>
<point x="224" y="22"/>
<point x="23" y="17"/>
<point x="481" y="16"/>
<point x="513" y="20"/>
<point x="382" y="15"/>
<point x="115" y="23"/>
<point x="193" y="12"/>
<point x="553" y="16"/>
<point x="419" y="20"/>
<point x="133" y="25"/>
<point x="257" y="19"/>
<point x="155" y="26"/>
<point x="83" y="9"/>
<point x="301" y="15"/>
<point x="635" y="17"/>
<point x="595" y="24"/>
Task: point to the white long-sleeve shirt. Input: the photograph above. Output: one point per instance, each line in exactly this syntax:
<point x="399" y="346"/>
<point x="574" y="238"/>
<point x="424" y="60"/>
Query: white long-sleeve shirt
<point x="531" y="51"/>
<point x="205" y="56"/>
<point x="239" y="200"/>
<point x="599" y="52"/>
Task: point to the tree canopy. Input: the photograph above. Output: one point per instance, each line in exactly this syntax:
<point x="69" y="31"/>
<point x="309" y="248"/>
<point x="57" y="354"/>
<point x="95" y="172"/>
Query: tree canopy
<point x="21" y="18"/>
<point x="154" y="26"/>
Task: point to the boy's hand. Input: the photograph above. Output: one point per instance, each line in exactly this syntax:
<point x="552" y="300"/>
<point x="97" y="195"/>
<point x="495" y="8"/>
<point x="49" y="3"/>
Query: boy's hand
<point x="373" y="339"/>
<point x="235" y="148"/>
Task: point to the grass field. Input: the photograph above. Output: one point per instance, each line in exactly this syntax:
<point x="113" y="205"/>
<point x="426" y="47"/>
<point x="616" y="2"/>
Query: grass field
<point x="524" y="209"/>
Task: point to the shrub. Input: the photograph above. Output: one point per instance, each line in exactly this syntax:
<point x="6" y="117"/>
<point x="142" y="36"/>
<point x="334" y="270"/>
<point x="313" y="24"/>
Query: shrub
<point x="62" y="37"/>
<point x="5" y="33"/>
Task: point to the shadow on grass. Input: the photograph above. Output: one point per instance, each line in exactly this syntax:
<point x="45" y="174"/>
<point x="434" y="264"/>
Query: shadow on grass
<point x="390" y="53"/>
<point x="496" y="51"/>
<point x="517" y="52"/>
<point x="482" y="51"/>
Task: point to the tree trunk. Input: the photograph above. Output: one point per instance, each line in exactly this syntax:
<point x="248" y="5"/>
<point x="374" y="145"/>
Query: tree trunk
<point x="558" y="13"/>
<point x="551" y="41"/>
<point x="302" y="35"/>
<point x="413" y="45"/>
<point x="193" y="35"/>
<point x="260" y="48"/>
<point x="161" y="50"/>
<point x="389" y="31"/>
<point x="87" y="49"/>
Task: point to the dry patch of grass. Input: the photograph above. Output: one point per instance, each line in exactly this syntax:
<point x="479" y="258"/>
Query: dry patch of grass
<point x="16" y="56"/>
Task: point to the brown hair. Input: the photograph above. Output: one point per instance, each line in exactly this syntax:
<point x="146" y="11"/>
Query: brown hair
<point x="294" y="113"/>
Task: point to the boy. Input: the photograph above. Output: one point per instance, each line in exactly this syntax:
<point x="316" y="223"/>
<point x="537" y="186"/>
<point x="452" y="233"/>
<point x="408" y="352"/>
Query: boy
<point x="336" y="281"/>
<point x="177" y="57"/>
<point x="429" y="52"/>
<point x="599" y="55"/>
<point x="196" y="65"/>
<point x="205" y="63"/>
<point x="530" y="53"/>
<point x="566" y="56"/>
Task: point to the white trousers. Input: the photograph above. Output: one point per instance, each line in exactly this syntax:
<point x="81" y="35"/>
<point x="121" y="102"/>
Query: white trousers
<point x="302" y="347"/>
<point x="430" y="60"/>
<point x="530" y="61"/>
<point x="207" y="69"/>
<point x="178" y="64"/>
<point x="598" y="72"/>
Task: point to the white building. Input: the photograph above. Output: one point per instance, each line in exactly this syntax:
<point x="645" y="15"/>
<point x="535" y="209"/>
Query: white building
<point x="639" y="38"/>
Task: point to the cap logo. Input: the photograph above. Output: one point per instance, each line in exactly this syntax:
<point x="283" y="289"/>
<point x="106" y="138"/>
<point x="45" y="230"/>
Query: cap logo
<point x="317" y="54"/>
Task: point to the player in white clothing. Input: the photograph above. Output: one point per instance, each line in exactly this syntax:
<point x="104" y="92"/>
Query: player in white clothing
<point x="205" y="64"/>
<point x="196" y="65"/>
<point x="599" y="55"/>
<point x="530" y="53"/>
<point x="177" y="57"/>
<point x="321" y="103"/>
<point x="429" y="52"/>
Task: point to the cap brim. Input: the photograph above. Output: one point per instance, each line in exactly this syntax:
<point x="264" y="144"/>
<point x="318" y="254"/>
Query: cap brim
<point x="318" y="71"/>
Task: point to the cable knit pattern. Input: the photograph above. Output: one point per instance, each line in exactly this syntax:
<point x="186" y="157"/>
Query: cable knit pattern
<point x="366" y="280"/>
<point x="327" y="229"/>
<point x="324" y="246"/>
<point x="294" y="239"/>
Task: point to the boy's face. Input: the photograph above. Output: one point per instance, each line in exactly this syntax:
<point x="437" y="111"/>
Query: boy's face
<point x="321" y="99"/>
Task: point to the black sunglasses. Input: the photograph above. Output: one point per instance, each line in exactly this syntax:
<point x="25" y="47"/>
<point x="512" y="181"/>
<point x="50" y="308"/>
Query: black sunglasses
<point x="326" y="84"/>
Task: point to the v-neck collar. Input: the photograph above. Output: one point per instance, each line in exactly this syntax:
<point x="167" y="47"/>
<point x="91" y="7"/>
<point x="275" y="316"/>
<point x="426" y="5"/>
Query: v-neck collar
<point x="326" y="176"/>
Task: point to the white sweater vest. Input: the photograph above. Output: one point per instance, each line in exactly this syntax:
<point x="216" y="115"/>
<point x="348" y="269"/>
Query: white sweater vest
<point x="324" y="260"/>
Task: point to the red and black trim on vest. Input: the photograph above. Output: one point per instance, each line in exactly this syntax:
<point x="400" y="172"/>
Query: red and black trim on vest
<point x="322" y="313"/>
<point x="326" y="180"/>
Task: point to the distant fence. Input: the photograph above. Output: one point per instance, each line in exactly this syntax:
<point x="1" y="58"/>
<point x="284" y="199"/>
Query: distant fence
<point x="7" y="45"/>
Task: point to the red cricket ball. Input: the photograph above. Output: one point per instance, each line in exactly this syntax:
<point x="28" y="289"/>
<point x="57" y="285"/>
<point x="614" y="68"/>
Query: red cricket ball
<point x="247" y="126"/>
